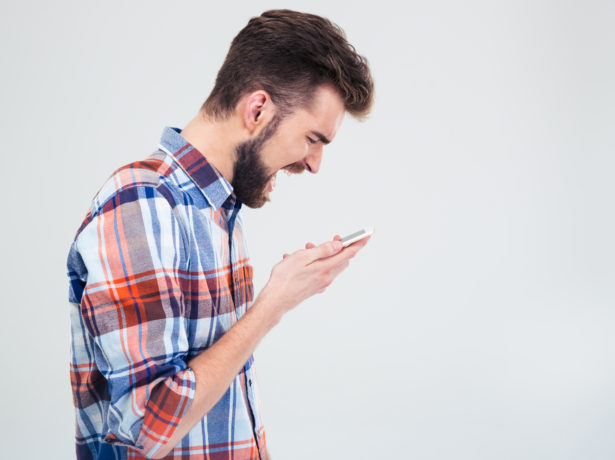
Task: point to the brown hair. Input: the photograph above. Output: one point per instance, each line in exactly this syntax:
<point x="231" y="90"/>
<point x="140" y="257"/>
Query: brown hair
<point x="288" y="54"/>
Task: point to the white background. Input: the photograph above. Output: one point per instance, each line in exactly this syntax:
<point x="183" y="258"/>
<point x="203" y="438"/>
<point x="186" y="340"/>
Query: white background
<point x="477" y="323"/>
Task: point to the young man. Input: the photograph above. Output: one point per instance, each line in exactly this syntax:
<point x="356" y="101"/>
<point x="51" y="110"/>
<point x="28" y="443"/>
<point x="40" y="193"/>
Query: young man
<point x="163" y="318"/>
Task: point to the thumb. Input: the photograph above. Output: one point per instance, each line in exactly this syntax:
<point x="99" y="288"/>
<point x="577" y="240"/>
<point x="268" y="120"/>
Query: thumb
<point x="324" y="250"/>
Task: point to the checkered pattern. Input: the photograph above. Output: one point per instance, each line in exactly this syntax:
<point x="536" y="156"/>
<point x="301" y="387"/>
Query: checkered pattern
<point x="159" y="270"/>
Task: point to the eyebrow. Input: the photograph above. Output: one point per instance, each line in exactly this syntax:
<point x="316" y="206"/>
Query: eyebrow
<point x="321" y="137"/>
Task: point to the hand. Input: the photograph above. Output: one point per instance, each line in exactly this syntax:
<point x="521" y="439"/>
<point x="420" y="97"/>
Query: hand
<point x="306" y="272"/>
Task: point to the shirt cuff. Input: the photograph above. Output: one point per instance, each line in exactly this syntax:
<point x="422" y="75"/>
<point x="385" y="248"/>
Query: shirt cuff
<point x="169" y="400"/>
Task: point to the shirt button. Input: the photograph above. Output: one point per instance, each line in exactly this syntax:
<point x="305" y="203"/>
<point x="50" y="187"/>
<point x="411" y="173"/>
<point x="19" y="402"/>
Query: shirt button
<point x="250" y="382"/>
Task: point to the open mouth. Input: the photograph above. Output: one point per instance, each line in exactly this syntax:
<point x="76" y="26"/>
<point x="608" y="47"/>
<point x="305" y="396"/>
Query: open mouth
<point x="288" y="170"/>
<point x="271" y="184"/>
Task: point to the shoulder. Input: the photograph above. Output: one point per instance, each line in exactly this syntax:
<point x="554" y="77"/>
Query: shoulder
<point x="149" y="180"/>
<point x="147" y="174"/>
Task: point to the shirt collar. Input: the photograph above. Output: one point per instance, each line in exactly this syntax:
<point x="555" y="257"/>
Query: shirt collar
<point x="217" y="190"/>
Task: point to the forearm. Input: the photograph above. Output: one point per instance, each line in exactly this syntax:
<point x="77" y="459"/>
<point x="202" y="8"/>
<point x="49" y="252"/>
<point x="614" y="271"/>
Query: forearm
<point x="294" y="279"/>
<point x="216" y="367"/>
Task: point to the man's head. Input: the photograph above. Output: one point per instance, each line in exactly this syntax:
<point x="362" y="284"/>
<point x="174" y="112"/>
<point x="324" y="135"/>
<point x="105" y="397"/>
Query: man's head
<point x="290" y="77"/>
<point x="293" y="143"/>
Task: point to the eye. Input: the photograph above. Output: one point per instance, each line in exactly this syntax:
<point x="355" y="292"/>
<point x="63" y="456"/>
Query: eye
<point x="312" y="141"/>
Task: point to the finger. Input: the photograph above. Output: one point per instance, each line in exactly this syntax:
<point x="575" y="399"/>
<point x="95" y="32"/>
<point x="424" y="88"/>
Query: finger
<point x="309" y="245"/>
<point x="326" y="249"/>
<point x="347" y="253"/>
<point x="337" y="237"/>
<point x="357" y="246"/>
<point x="284" y="256"/>
<point x="332" y="272"/>
<point x="335" y="271"/>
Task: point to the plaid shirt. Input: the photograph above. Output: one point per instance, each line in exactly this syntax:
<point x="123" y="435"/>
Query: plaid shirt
<point x="159" y="271"/>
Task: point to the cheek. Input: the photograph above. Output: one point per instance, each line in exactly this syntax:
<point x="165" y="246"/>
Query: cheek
<point x="294" y="153"/>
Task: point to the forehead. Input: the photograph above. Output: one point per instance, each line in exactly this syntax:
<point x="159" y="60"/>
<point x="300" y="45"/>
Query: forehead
<point x="324" y="114"/>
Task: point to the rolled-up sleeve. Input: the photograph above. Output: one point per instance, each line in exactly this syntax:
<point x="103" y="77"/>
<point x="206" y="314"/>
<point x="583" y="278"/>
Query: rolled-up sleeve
<point x="133" y="307"/>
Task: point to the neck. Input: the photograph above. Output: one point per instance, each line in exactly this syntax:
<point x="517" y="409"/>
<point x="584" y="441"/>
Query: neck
<point x="216" y="140"/>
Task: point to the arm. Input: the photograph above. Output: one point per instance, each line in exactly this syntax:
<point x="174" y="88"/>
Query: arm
<point x="216" y="367"/>
<point x="133" y="309"/>
<point x="297" y="277"/>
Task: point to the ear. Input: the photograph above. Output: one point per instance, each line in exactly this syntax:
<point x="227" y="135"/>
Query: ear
<point x="257" y="111"/>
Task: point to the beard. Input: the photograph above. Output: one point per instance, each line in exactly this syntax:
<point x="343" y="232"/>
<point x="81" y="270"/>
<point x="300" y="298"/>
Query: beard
<point x="250" y="175"/>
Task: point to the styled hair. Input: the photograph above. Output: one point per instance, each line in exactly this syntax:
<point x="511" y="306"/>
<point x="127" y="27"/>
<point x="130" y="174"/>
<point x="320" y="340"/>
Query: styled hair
<point x="289" y="54"/>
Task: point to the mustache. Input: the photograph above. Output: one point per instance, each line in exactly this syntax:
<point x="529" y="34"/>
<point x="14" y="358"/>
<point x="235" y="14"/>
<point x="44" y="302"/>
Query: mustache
<point x="295" y="168"/>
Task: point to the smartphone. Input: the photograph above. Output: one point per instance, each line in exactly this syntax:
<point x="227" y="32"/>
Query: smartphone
<point x="353" y="237"/>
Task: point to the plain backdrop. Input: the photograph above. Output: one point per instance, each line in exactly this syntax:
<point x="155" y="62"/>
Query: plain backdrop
<point x="476" y="324"/>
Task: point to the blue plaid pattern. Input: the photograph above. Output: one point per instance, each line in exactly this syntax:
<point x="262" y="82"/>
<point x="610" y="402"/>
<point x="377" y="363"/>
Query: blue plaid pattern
<point x="159" y="271"/>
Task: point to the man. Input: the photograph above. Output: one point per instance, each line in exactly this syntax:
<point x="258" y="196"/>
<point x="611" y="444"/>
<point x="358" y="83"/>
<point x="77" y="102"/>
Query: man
<point x="163" y="318"/>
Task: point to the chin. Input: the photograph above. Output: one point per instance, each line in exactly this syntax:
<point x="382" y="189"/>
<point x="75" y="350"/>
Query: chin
<point x="259" y="203"/>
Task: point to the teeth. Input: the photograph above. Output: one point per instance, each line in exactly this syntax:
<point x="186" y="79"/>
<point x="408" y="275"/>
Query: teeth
<point x="288" y="173"/>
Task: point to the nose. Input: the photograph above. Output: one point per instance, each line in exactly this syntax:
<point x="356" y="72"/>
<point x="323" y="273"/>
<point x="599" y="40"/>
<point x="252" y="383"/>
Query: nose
<point x="312" y="161"/>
